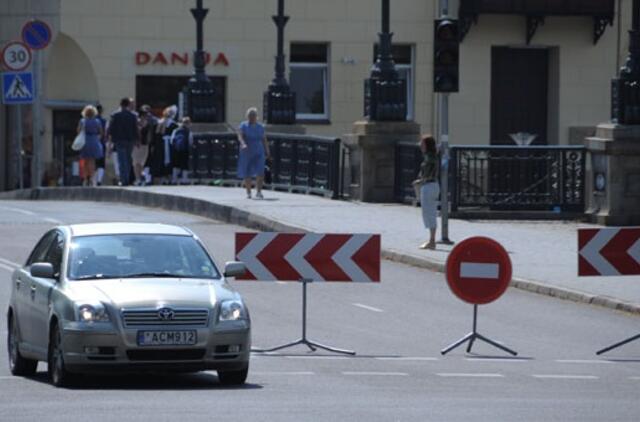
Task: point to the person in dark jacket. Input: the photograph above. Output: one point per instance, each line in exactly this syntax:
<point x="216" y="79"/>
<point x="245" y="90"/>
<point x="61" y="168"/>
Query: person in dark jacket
<point x="124" y="133"/>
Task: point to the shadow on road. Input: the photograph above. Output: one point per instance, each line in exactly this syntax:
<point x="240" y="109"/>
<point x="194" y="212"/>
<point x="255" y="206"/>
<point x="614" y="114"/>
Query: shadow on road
<point x="148" y="381"/>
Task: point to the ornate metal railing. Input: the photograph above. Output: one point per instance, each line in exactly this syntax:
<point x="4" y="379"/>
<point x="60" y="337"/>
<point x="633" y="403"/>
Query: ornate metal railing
<point x="534" y="178"/>
<point x="538" y="178"/>
<point x="300" y="163"/>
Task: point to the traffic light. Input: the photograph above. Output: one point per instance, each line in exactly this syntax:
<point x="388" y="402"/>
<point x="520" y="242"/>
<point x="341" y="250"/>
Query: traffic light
<point x="446" y="57"/>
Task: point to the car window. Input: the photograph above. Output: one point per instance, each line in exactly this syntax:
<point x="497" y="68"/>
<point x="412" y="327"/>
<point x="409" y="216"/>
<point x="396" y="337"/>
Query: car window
<point x="54" y="254"/>
<point x="122" y="256"/>
<point x="40" y="251"/>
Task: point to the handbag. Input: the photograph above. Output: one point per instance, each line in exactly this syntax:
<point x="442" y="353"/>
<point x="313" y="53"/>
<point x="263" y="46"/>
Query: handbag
<point x="79" y="142"/>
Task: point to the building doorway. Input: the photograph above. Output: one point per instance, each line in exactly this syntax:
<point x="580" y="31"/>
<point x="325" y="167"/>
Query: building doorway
<point x="519" y="95"/>
<point x="65" y="126"/>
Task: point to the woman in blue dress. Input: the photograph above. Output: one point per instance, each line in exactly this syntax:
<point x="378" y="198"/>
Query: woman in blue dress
<point x="254" y="150"/>
<point x="92" y="150"/>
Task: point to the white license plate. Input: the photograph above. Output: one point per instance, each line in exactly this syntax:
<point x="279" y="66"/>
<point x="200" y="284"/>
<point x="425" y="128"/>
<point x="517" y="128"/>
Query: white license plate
<point x="167" y="338"/>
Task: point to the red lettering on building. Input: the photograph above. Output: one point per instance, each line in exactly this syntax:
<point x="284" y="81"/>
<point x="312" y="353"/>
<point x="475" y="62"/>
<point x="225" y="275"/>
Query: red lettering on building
<point x="160" y="58"/>
<point x="221" y="59"/>
<point x="142" y="58"/>
<point x="180" y="58"/>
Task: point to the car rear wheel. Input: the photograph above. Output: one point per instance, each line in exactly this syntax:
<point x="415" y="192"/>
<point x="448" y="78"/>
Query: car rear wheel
<point x="233" y="377"/>
<point x="17" y="364"/>
<point x="58" y="374"/>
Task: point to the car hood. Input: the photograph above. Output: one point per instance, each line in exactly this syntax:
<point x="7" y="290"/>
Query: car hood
<point x="149" y="292"/>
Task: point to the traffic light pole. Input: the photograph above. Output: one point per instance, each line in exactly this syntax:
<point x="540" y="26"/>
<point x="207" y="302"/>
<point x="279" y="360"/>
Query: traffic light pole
<point x="443" y="105"/>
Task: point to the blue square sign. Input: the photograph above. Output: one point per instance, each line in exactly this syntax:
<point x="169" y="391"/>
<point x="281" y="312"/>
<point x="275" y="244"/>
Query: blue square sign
<point x="17" y="88"/>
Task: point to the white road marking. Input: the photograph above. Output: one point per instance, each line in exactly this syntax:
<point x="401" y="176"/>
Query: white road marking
<point x="469" y="375"/>
<point x="501" y="360"/>
<point x="18" y="210"/>
<point x="368" y="308"/>
<point x="318" y="357"/>
<point x="10" y="263"/>
<point x="478" y="270"/>
<point x="407" y="359"/>
<point x="294" y="373"/>
<point x="32" y="214"/>
<point x="584" y="361"/>
<point x="8" y="268"/>
<point x="565" y="377"/>
<point x="634" y="378"/>
<point x="376" y="374"/>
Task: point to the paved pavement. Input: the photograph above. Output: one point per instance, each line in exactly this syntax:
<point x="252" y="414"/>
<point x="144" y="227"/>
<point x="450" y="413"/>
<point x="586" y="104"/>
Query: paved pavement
<point x="542" y="251"/>
<point x="397" y="327"/>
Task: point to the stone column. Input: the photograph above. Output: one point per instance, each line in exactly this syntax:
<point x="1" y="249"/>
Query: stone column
<point x="373" y="159"/>
<point x="613" y="184"/>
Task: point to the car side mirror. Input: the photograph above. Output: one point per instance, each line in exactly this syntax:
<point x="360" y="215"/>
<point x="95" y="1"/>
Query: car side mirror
<point x="42" y="270"/>
<point x="234" y="269"/>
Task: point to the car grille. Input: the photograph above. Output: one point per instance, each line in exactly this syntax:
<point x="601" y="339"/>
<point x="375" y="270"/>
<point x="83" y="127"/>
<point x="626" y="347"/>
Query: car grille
<point x="158" y="355"/>
<point x="181" y="317"/>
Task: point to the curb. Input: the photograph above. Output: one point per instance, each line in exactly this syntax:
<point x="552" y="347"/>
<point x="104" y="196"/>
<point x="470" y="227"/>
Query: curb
<point x="231" y="215"/>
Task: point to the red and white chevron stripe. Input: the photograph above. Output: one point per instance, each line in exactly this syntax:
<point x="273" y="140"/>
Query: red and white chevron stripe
<point x="609" y="252"/>
<point x="312" y="256"/>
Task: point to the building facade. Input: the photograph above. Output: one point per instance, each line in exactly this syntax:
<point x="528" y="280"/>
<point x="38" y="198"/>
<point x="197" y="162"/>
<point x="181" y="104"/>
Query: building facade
<point x="556" y="86"/>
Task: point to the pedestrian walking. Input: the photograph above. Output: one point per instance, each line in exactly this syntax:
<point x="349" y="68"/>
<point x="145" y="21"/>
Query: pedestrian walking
<point x="147" y="126"/>
<point x="101" y="162"/>
<point x="254" y="151"/>
<point x="92" y="149"/>
<point x="181" y="142"/>
<point x="123" y="134"/>
<point x="160" y="161"/>
<point x="429" y="188"/>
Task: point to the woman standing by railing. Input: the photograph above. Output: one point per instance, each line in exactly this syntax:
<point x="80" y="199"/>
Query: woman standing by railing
<point x="429" y="188"/>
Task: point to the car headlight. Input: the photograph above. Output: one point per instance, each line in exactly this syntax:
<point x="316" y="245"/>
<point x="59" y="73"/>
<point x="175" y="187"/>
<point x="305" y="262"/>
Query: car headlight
<point x="91" y="313"/>
<point x="232" y="310"/>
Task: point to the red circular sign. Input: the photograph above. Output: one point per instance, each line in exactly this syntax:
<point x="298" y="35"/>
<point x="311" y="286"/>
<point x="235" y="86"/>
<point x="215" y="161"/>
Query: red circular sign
<point x="478" y="270"/>
<point x="16" y="56"/>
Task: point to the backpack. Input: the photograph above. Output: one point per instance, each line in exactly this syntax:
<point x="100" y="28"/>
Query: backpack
<point x="181" y="140"/>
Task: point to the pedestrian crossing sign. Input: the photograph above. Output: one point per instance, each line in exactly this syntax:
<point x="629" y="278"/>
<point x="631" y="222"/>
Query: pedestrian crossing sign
<point x="17" y="88"/>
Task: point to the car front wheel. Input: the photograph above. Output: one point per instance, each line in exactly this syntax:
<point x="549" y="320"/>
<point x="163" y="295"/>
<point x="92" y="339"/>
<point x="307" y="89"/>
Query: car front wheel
<point x="58" y="374"/>
<point x="233" y="377"/>
<point x="18" y="365"/>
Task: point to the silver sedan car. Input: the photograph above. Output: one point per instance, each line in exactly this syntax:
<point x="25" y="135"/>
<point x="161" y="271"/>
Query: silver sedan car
<point x="136" y="297"/>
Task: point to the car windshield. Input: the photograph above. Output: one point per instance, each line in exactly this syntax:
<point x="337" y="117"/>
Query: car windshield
<point x="135" y="255"/>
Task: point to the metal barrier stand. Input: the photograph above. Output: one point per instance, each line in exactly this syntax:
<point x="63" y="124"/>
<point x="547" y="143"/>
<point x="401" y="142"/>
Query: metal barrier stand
<point x="312" y="345"/>
<point x="473" y="336"/>
<point x="620" y="344"/>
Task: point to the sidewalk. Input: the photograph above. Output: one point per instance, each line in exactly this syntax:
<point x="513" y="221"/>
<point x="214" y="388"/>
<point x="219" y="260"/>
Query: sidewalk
<point x="544" y="254"/>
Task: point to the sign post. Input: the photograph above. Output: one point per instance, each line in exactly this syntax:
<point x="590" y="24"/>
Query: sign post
<point x="478" y="271"/>
<point x="37" y="35"/>
<point x="309" y="258"/>
<point x="609" y="252"/>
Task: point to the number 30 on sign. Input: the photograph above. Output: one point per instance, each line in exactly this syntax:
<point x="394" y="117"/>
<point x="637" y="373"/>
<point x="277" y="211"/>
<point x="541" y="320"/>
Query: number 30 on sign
<point x="16" y="56"/>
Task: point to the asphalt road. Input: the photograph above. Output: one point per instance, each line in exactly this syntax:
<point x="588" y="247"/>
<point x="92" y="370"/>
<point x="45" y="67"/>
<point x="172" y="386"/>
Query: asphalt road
<point x="397" y="328"/>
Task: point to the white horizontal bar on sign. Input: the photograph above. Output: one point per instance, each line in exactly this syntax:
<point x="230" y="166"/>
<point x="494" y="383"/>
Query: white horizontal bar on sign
<point x="477" y="270"/>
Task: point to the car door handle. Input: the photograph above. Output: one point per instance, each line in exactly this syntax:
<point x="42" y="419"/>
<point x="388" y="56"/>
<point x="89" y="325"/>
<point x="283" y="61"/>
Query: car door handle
<point x="33" y="291"/>
<point x="18" y="283"/>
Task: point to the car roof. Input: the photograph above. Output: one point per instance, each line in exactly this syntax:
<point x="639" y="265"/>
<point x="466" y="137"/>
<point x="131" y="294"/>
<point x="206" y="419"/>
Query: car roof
<point x="98" y="229"/>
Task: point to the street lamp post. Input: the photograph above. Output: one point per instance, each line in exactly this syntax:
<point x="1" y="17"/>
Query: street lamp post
<point x="386" y="93"/>
<point x="625" y="98"/>
<point x="279" y="101"/>
<point x="199" y="92"/>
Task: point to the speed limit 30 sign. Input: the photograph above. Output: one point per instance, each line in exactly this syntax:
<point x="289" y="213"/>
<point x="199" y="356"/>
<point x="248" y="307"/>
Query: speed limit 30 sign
<point x="16" y="56"/>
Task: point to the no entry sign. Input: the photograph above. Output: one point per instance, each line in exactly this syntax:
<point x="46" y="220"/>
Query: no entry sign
<point x="478" y="270"/>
